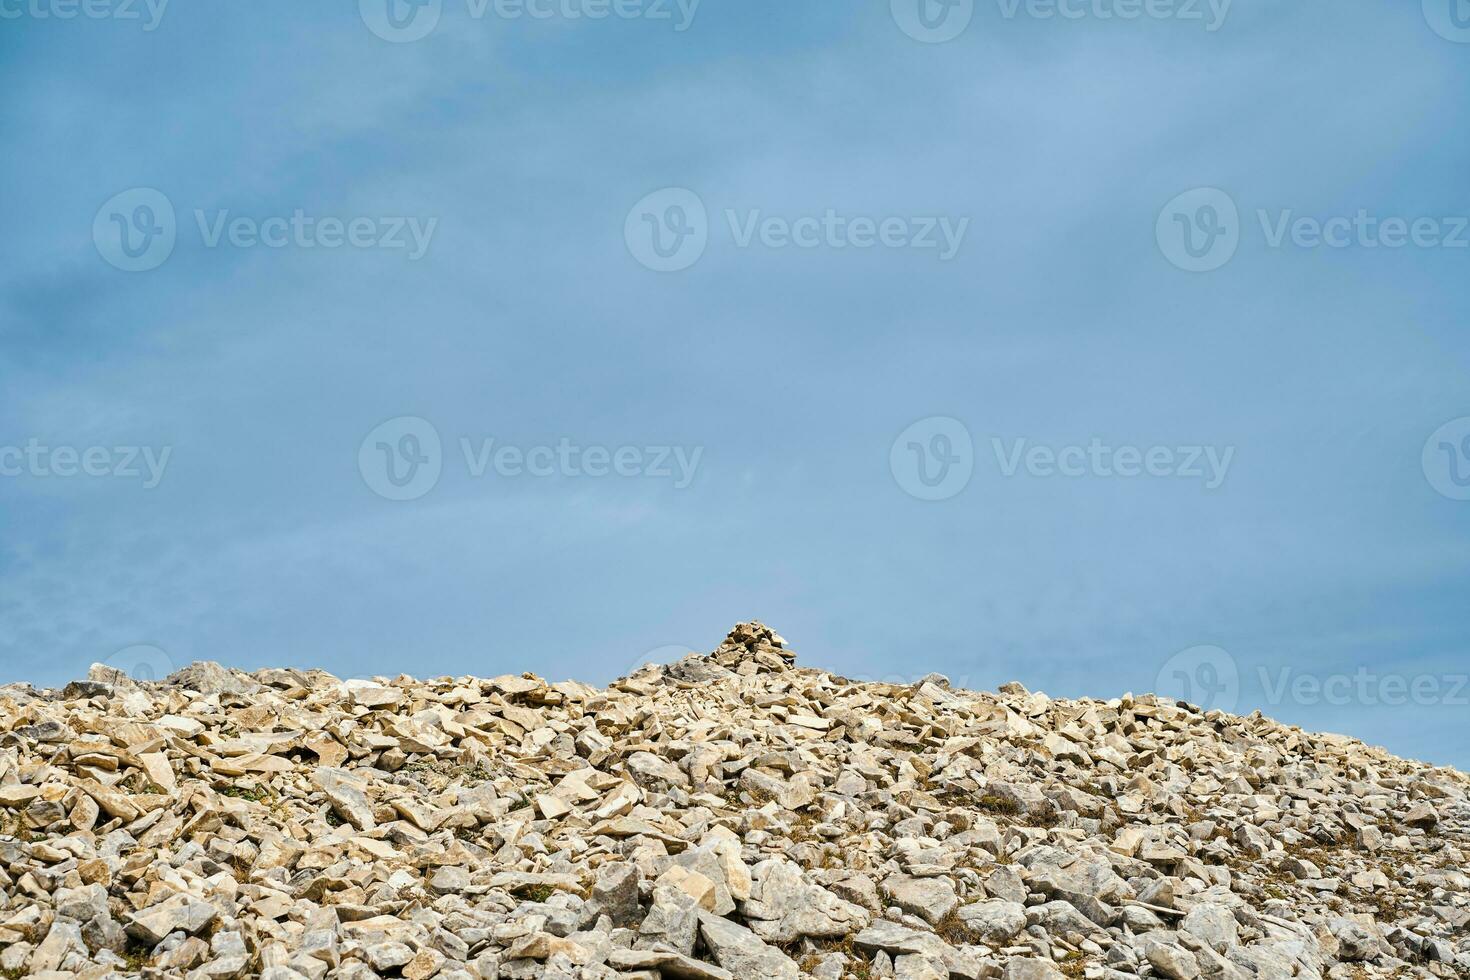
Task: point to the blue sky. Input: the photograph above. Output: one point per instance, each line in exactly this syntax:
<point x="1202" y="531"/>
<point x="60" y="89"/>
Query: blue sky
<point x="904" y="456"/>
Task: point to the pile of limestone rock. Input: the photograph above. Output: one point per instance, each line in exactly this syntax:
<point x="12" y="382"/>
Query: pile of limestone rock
<point x="729" y="816"/>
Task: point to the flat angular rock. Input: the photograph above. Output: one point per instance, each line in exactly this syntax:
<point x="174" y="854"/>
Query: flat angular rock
<point x="742" y="952"/>
<point x="672" y="965"/>
<point x="347" y="795"/>
<point x="784" y="906"/>
<point x="1213" y="925"/>
<point x="1030" y="968"/>
<point x="1173" y="962"/>
<point x="896" y="940"/>
<point x="994" y="922"/>
<point x="932" y="899"/>
<point x="180" y="913"/>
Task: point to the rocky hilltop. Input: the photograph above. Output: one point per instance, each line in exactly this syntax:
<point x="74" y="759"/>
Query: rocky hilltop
<point x="727" y="816"/>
